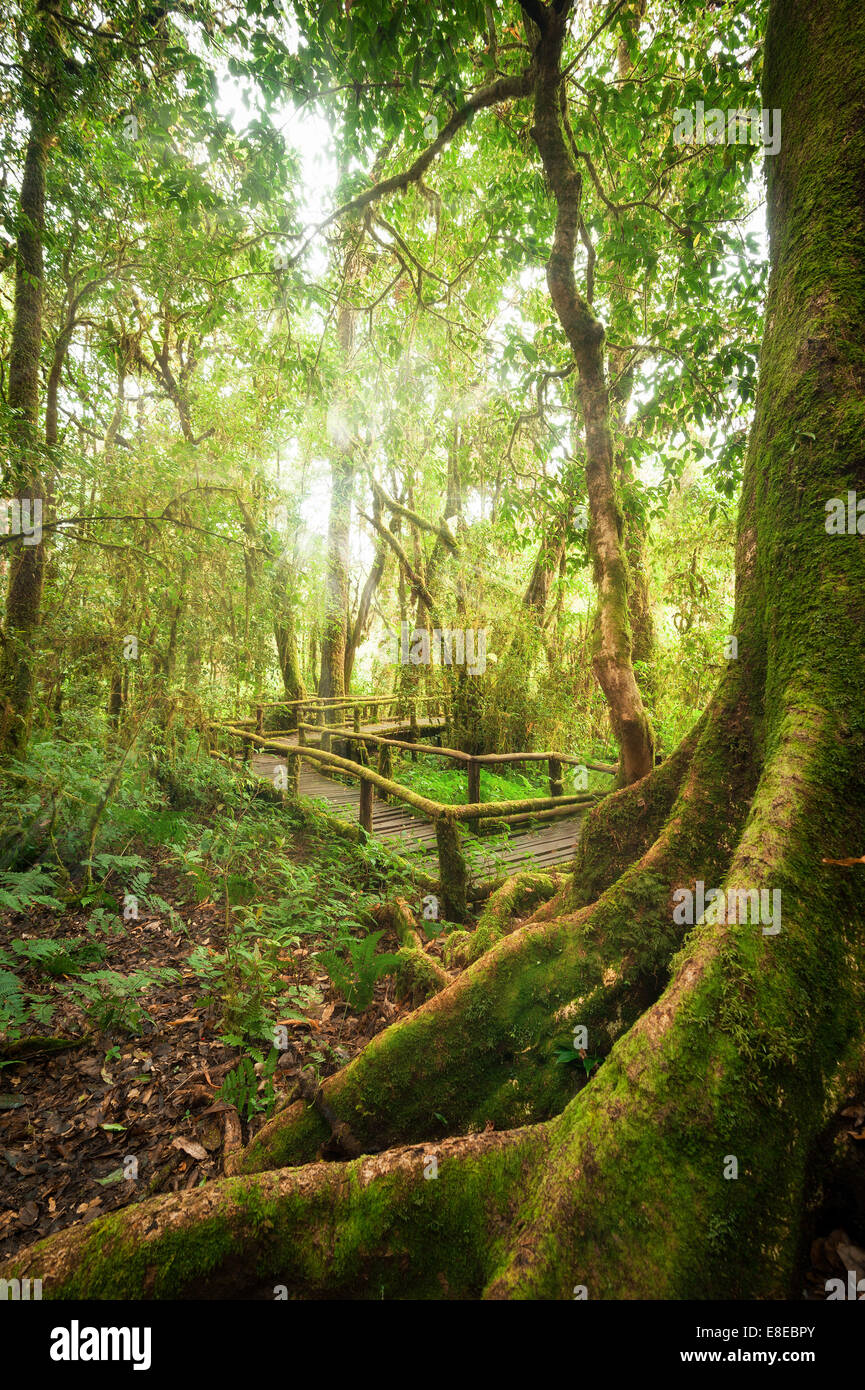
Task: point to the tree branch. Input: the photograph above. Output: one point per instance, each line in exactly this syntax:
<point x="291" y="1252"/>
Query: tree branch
<point x="505" y="89"/>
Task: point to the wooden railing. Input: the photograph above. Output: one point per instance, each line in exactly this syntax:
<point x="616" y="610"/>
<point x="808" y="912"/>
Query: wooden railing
<point x="453" y="868"/>
<point x="363" y="708"/>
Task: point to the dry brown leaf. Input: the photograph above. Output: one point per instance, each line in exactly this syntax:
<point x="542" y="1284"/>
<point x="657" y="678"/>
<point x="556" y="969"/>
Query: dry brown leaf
<point x="233" y="1134"/>
<point x="189" y="1146"/>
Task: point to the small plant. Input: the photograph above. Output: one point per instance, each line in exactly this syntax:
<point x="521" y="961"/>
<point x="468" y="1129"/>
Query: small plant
<point x="249" y="1087"/>
<point x="21" y="891"/>
<point x="355" y="977"/>
<point x="246" y="984"/>
<point x="565" y="1056"/>
<point x="103" y="920"/>
<point x="18" y="1008"/>
<point x="110" y="1000"/>
<point x="65" y="956"/>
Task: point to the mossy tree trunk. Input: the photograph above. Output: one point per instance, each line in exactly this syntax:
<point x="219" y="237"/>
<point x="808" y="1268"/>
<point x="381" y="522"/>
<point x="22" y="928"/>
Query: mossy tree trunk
<point x="334" y="631"/>
<point x="27" y="561"/>
<point x="678" y="1170"/>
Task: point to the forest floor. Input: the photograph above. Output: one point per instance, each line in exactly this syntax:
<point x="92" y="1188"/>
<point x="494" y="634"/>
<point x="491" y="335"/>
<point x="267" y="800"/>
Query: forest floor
<point x="71" y="1120"/>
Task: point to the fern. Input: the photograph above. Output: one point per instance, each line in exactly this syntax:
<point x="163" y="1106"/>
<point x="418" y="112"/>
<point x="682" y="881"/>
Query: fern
<point x="355" y="977"/>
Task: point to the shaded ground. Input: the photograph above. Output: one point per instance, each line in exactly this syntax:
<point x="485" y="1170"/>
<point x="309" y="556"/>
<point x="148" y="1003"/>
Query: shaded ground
<point x="71" y="1121"/>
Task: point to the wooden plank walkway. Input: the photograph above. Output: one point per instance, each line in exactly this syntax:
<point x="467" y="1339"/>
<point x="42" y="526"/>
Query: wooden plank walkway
<point x="549" y="846"/>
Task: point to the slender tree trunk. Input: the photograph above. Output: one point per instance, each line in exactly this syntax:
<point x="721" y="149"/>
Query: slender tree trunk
<point x="361" y="623"/>
<point x="27" y="562"/>
<point x="612" y="659"/>
<point x="285" y="633"/>
<point x="335" y="624"/>
<point x="334" y="635"/>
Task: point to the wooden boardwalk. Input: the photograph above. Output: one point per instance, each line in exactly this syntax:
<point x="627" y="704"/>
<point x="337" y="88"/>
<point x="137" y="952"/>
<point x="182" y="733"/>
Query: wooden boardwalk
<point x="549" y="846"/>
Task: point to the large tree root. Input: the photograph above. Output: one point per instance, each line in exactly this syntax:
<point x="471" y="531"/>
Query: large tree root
<point x="516" y="895"/>
<point x="676" y="1172"/>
<point x="424" y="1221"/>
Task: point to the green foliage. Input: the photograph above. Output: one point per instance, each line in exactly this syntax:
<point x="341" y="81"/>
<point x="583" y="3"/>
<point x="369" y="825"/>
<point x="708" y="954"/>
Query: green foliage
<point x="251" y="1091"/>
<point x="63" y="956"/>
<point x="566" y="1056"/>
<point x="26" y="888"/>
<point x="354" y="974"/>
<point x="111" y="1001"/>
<point x="432" y="777"/>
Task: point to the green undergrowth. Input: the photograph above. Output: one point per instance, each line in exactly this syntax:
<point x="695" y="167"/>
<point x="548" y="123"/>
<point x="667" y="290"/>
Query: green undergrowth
<point x="181" y="830"/>
<point x="433" y="778"/>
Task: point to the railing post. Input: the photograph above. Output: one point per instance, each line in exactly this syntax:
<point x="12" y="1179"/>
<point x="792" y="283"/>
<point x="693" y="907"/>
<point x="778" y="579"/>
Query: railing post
<point x="474" y="771"/>
<point x="385" y="765"/>
<point x="366" y="796"/>
<point x="453" y="873"/>
<point x="557" y="785"/>
<point x="294" y="774"/>
<point x="259" y="720"/>
<point x="301" y="734"/>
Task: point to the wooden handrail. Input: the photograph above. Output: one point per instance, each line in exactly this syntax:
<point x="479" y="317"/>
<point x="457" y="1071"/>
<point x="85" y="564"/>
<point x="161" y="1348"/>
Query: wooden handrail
<point x="335" y="701"/>
<point x="486" y="759"/>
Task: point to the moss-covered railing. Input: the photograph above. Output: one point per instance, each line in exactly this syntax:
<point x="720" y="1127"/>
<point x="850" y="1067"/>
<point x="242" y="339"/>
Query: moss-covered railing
<point x="453" y="868"/>
<point x="324" y="710"/>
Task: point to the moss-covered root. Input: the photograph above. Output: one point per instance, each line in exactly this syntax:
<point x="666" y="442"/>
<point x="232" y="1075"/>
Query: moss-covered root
<point x="429" y="1221"/>
<point x="621" y="828"/>
<point x="484" y="1049"/>
<point x="515" y="898"/>
<point x="418" y="976"/>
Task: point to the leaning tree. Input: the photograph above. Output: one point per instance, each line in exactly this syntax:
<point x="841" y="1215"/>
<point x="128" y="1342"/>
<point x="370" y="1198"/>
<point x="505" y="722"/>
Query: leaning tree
<point x="721" y="1041"/>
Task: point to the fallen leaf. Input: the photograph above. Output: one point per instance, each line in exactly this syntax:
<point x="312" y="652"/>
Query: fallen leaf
<point x="116" y="1176"/>
<point x="233" y="1134"/>
<point x="189" y="1146"/>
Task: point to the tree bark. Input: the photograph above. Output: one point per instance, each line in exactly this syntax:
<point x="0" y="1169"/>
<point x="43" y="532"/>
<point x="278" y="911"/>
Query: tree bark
<point x="334" y="634"/>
